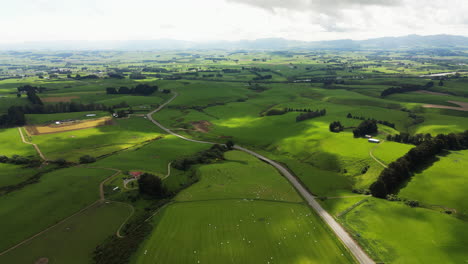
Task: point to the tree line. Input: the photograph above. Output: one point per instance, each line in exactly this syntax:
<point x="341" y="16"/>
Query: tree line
<point x="310" y="114"/>
<point x="140" y="89"/>
<point x="410" y="139"/>
<point x="406" y="88"/>
<point x="399" y="171"/>
<point x="216" y="152"/>
<point x="382" y="122"/>
<point x="366" y="127"/>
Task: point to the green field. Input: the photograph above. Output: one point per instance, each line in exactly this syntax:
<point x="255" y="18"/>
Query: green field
<point x="396" y="233"/>
<point x="11" y="144"/>
<point x="242" y="209"/>
<point x="57" y="195"/>
<point x="65" y="242"/>
<point x="97" y="141"/>
<point x="443" y="184"/>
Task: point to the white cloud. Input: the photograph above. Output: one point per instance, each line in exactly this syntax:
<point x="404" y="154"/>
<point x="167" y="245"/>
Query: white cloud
<point x="26" y="20"/>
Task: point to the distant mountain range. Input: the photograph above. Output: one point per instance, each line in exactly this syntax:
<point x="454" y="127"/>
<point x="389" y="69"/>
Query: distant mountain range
<point x="406" y="42"/>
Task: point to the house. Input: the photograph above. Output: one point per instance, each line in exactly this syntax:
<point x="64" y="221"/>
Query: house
<point x="373" y="140"/>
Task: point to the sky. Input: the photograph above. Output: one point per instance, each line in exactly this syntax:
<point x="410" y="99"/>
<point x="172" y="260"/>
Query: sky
<point x="210" y="20"/>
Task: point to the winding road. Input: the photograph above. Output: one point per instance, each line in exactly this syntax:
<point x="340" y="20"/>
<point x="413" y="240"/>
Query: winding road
<point x="347" y="240"/>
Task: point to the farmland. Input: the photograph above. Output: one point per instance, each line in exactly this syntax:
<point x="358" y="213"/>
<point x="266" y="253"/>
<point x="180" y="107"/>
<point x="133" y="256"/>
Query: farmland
<point x="225" y="205"/>
<point x="243" y="219"/>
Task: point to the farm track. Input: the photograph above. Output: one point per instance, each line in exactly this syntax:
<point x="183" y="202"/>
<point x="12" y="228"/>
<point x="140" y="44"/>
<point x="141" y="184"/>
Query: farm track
<point x="101" y="200"/>
<point x="38" y="150"/>
<point x="374" y="158"/>
<point x="347" y="240"/>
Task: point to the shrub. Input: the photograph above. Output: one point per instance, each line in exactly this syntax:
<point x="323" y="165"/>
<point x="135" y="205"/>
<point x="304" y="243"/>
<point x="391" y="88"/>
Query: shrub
<point x="87" y="159"/>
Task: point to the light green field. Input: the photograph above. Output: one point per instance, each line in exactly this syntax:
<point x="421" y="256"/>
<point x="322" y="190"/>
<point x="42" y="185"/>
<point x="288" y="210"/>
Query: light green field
<point x="74" y="240"/>
<point x="11" y="144"/>
<point x="442" y="184"/>
<point x="97" y="141"/>
<point x="396" y="233"/>
<point x="240" y="177"/>
<point x="240" y="211"/>
<point x="37" y="206"/>
<point x="240" y="231"/>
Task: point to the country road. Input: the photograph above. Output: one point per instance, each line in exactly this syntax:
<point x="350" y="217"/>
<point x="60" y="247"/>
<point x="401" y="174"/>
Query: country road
<point x="347" y="240"/>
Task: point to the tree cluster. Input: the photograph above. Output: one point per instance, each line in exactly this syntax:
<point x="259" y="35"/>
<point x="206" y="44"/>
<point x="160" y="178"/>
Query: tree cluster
<point x="151" y="186"/>
<point x="140" y="89"/>
<point x="382" y="122"/>
<point x="137" y="76"/>
<point x="336" y="127"/>
<point x="216" y="152"/>
<point x="310" y="114"/>
<point x="20" y="160"/>
<point x="399" y="171"/>
<point x="406" y="88"/>
<point x="13" y="117"/>
<point x="366" y="127"/>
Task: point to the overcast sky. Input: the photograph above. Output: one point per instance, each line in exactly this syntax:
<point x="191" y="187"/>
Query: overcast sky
<point x="206" y="20"/>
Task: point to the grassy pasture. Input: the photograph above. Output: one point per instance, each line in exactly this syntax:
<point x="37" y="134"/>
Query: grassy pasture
<point x="241" y="176"/>
<point x="38" y="206"/>
<point x="97" y="141"/>
<point x="13" y="174"/>
<point x="74" y="240"/>
<point x="11" y="144"/>
<point x="442" y="184"/>
<point x="396" y="233"/>
<point x="240" y="232"/>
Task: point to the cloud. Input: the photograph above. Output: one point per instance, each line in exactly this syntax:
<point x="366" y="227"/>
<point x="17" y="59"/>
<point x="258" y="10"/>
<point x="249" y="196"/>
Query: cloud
<point x="327" y="7"/>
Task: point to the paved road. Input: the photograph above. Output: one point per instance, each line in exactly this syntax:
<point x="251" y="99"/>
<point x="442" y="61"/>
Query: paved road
<point x="353" y="247"/>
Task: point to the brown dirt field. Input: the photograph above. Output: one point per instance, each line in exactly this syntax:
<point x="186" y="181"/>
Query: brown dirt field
<point x="42" y="261"/>
<point x="64" y="99"/>
<point x="429" y="92"/>
<point x="69" y="126"/>
<point x="202" y="126"/>
<point x="463" y="106"/>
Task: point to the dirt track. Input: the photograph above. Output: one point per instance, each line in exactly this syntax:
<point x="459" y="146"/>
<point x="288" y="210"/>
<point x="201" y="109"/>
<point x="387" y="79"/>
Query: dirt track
<point x="463" y="106"/>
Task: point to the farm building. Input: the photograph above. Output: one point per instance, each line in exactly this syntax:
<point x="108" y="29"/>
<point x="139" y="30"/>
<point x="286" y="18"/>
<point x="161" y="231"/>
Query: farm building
<point x="89" y="115"/>
<point x="373" y="140"/>
<point x="368" y="136"/>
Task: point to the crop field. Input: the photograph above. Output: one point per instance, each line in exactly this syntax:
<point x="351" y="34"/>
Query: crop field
<point x="242" y="210"/>
<point x="64" y="242"/>
<point x="432" y="185"/>
<point x="44" y="202"/>
<point x="68" y="126"/>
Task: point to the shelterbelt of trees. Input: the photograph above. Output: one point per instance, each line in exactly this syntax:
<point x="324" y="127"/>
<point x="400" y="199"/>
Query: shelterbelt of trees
<point x="15" y="115"/>
<point x="406" y="88"/>
<point x="140" y="89"/>
<point x="399" y="171"/>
